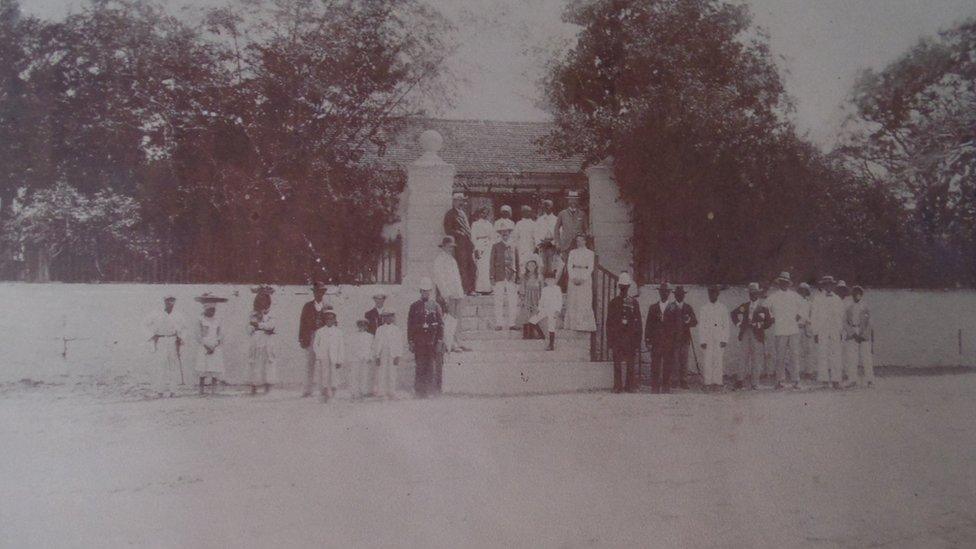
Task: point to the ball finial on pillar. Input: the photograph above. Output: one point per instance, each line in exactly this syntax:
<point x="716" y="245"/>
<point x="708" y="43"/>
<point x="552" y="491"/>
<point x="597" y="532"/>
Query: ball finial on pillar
<point x="432" y="143"/>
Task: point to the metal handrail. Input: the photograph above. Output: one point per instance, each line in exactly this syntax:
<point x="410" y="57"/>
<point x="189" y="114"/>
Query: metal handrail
<point x="604" y="289"/>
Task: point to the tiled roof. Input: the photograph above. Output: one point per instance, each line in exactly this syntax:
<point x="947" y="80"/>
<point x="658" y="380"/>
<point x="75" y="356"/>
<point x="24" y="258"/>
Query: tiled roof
<point x="482" y="147"/>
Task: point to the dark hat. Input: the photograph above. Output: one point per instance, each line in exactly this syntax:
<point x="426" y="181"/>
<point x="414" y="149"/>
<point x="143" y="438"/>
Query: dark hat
<point x="319" y="285"/>
<point x="680" y="290"/>
<point x="447" y="241"/>
<point x="714" y="287"/>
<point x="169" y="297"/>
<point x="207" y="298"/>
<point x="664" y="286"/>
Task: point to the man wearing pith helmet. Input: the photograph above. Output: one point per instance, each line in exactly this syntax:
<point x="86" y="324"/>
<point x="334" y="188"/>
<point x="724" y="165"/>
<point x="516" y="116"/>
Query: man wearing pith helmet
<point x="624" y="330"/>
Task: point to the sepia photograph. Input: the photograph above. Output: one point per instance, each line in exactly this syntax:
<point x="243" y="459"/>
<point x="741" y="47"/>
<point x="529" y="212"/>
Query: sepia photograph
<point x="488" y="273"/>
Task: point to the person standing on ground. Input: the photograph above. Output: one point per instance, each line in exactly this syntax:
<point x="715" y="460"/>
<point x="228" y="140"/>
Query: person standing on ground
<point x="447" y="281"/>
<point x="425" y="333"/>
<point x="808" y="359"/>
<point x="311" y="320"/>
<point x="713" y="336"/>
<point x="387" y="350"/>
<point x="530" y="290"/>
<point x="504" y="276"/>
<point x="330" y="353"/>
<point x="165" y="328"/>
<point x="683" y="342"/>
<point x="786" y="308"/>
<point x="753" y="319"/>
<point x="827" y="321"/>
<point x="857" y="319"/>
<point x="360" y="360"/>
<point x="624" y="332"/>
<point x="374" y="316"/>
<point x="579" y="291"/>
<point x="456" y="224"/>
<point x="483" y="233"/>
<point x="569" y="223"/>
<point x="660" y="334"/>
<point x="210" y="357"/>
<point x="261" y="371"/>
<point x="525" y="233"/>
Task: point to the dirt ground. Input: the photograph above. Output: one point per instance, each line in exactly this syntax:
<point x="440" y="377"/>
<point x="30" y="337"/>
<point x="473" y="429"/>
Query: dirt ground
<point x="98" y="466"/>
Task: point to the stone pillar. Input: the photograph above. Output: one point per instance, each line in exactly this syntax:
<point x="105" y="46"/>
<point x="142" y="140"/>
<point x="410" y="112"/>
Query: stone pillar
<point x="430" y="185"/>
<point x="610" y="220"/>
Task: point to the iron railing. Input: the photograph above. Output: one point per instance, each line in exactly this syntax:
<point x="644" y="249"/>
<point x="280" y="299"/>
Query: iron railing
<point x="604" y="289"/>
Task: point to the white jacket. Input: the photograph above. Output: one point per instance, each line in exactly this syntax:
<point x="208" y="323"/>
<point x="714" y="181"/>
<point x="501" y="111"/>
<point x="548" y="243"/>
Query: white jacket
<point x="714" y="323"/>
<point x="827" y="315"/>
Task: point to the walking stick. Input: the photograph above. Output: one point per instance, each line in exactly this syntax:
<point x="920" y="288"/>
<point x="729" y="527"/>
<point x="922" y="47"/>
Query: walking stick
<point x="179" y="359"/>
<point x="695" y="355"/>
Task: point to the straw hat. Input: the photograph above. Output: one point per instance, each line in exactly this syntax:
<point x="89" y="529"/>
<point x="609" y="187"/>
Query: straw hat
<point x="209" y="299"/>
<point x="425" y="283"/>
<point x="624" y="279"/>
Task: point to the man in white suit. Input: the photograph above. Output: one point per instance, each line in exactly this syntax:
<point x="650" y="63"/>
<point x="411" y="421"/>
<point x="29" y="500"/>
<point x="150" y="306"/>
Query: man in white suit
<point x="714" y="325"/>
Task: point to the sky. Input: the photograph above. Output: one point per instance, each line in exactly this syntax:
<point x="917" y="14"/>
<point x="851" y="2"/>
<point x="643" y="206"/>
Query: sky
<point x="820" y="46"/>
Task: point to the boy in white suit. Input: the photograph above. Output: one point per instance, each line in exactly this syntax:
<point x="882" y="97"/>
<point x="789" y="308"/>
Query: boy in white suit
<point x="387" y="349"/>
<point x="330" y="352"/>
<point x="360" y="359"/>
<point x="713" y="335"/>
<point x="550" y="307"/>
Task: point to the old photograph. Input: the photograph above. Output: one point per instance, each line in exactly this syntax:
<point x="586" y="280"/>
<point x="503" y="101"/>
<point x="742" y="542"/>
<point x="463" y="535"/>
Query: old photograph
<point x="488" y="273"/>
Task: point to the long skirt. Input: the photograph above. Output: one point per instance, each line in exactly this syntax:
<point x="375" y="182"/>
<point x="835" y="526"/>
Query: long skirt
<point x="167" y="371"/>
<point x="210" y="364"/>
<point x="261" y="365"/>
<point x="483" y="279"/>
<point x="579" y="307"/>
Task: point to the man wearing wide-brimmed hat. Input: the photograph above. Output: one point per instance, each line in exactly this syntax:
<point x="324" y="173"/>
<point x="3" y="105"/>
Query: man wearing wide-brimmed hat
<point x="311" y="320"/>
<point x="753" y="319"/>
<point x="504" y="276"/>
<point x="660" y="335"/>
<point x="457" y="225"/>
<point x="166" y="333"/>
<point x="624" y="331"/>
<point x="827" y="323"/>
<point x="786" y="307"/>
<point x="425" y="335"/>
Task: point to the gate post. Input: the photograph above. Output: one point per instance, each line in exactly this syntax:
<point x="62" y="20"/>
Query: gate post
<point x="430" y="184"/>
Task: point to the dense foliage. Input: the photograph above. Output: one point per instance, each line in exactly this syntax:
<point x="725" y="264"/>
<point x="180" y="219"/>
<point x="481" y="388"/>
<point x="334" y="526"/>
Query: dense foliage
<point x="243" y="139"/>
<point x="684" y="96"/>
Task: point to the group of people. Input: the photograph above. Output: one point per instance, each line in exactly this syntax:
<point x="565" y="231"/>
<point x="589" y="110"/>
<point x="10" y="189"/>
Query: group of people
<point x="829" y="327"/>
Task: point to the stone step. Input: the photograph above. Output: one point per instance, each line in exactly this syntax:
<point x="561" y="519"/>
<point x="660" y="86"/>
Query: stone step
<point x="562" y="353"/>
<point x="498" y="379"/>
<point x="496" y="345"/>
<point x="491" y="335"/>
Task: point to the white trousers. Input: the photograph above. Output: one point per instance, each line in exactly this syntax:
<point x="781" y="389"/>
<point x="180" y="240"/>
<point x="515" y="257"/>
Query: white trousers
<point x="858" y="355"/>
<point x="829" y="359"/>
<point x="167" y="369"/>
<point x="712" y="363"/>
<point x="450" y="331"/>
<point x="385" y="375"/>
<point x="505" y="293"/>
<point x="357" y="376"/>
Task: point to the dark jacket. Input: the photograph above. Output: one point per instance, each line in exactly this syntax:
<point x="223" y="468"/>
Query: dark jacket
<point x="661" y="331"/>
<point x="757" y="325"/>
<point x="688" y="321"/>
<point x="497" y="271"/>
<point x="373" y="320"/>
<point x="310" y="321"/>
<point x="624" y="326"/>
<point x="456" y="224"/>
<point x="424" y="329"/>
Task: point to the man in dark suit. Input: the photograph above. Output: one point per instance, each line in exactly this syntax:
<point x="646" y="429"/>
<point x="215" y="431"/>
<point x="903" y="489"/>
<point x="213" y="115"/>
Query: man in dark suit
<point x="683" y="342"/>
<point x="311" y="320"/>
<point x="624" y="331"/>
<point x="374" y="316"/>
<point x="753" y="319"/>
<point x="662" y="327"/>
<point x="425" y="335"/>
<point x="456" y="224"/>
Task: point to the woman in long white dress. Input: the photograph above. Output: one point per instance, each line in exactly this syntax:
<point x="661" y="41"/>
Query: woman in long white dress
<point x="210" y="356"/>
<point x="261" y="371"/>
<point x="579" y="291"/>
<point x="483" y="235"/>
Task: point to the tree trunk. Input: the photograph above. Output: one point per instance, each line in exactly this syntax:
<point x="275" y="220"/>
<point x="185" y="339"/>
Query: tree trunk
<point x="42" y="266"/>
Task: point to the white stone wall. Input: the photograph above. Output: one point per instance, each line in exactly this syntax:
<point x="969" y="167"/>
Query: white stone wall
<point x="610" y="220"/>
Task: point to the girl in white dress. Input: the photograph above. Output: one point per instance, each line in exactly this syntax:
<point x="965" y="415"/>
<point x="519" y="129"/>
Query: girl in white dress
<point x="579" y="291"/>
<point x="210" y="356"/>
<point x="483" y="235"/>
<point x="261" y="371"/>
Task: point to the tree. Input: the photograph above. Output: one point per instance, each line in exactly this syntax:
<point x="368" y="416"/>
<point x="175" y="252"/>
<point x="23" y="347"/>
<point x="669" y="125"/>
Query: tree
<point x="60" y="220"/>
<point x="914" y="131"/>
<point x="684" y="99"/>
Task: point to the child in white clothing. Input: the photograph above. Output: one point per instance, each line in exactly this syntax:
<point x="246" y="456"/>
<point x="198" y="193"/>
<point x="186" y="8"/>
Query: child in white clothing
<point x="550" y="307"/>
<point x="360" y="360"/>
<point x="330" y="351"/>
<point x="387" y="349"/>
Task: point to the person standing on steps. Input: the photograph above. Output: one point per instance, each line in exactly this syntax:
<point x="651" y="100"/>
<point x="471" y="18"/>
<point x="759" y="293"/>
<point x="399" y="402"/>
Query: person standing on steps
<point x="579" y="291"/>
<point x="425" y="333"/>
<point x="660" y="334"/>
<point x="447" y="282"/>
<point x="483" y="233"/>
<point x="525" y="233"/>
<point x="311" y="320"/>
<point x="753" y="319"/>
<point x="570" y="223"/>
<point x="530" y="291"/>
<point x="545" y="230"/>
<point x="166" y="331"/>
<point x="624" y="332"/>
<point x="550" y="307"/>
<point x="683" y="341"/>
<point x="456" y="224"/>
<point x="504" y="276"/>
<point x="713" y="336"/>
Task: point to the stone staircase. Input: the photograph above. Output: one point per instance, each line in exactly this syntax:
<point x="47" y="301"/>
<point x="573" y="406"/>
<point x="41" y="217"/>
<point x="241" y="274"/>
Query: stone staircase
<point x="502" y="363"/>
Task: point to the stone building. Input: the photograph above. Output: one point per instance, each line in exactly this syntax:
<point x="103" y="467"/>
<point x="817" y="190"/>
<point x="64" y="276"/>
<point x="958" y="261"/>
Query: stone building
<point x="497" y="163"/>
